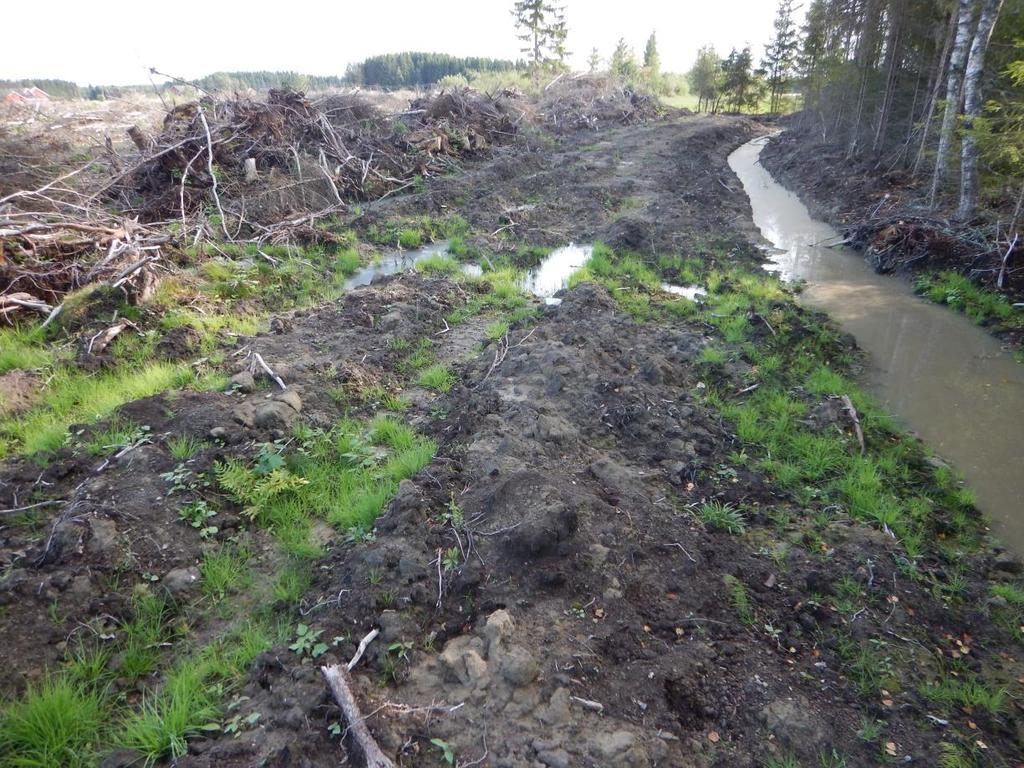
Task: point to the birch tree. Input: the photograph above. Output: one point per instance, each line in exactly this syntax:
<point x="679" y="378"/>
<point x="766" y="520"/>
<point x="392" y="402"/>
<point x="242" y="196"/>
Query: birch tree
<point x="972" y="106"/>
<point x="954" y="84"/>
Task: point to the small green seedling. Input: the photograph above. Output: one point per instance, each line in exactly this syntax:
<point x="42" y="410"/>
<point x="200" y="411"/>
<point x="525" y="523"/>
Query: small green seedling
<point x="196" y="513"/>
<point x="306" y="642"/>
<point x="447" y="754"/>
<point x="238" y="723"/>
<point x="451" y="559"/>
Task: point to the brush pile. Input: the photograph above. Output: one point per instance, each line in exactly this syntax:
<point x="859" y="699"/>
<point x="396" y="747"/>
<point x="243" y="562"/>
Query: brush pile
<point x="591" y="102"/>
<point x="258" y="171"/>
<point x="910" y="243"/>
<point x="240" y="170"/>
<point x="257" y="164"/>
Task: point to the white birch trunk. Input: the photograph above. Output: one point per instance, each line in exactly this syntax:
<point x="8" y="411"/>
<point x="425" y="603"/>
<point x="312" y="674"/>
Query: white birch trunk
<point x="954" y="85"/>
<point x="972" y="107"/>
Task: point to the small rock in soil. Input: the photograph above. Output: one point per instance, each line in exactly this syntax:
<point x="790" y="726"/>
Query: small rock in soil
<point x="243" y="381"/>
<point x="180" y="581"/>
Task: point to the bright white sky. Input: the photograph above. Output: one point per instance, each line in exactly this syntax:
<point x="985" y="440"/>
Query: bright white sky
<point x="113" y="42"/>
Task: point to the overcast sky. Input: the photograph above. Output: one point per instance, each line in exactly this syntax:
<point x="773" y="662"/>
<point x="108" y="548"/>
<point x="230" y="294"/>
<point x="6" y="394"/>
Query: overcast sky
<point x="115" y="41"/>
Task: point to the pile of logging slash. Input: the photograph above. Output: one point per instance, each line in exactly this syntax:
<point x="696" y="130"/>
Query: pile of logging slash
<point x="904" y="243"/>
<point x="242" y="170"/>
<point x="258" y="171"/>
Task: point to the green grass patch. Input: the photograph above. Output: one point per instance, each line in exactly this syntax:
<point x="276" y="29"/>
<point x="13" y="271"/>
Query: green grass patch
<point x="949" y="693"/>
<point x="721" y="517"/>
<point x="438" y="264"/>
<point x="410" y="238"/>
<point x="73" y="396"/>
<point x="740" y="600"/>
<point x="56" y="722"/>
<point x="225" y="571"/>
<point x="438" y="378"/>
<point x="184" y="447"/>
<point x="118" y="433"/>
<point x="345" y="476"/>
<point x="962" y="294"/>
<point x="23" y="349"/>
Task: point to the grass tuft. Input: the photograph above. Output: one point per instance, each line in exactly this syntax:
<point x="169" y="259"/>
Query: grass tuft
<point x="722" y="517"/>
<point x="57" y="722"/>
<point x="438" y="378"/>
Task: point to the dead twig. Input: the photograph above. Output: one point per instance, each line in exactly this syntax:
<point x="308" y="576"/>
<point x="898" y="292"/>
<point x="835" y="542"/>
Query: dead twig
<point x="259" y="361"/>
<point x="852" y="413"/>
<point x="358" y="734"/>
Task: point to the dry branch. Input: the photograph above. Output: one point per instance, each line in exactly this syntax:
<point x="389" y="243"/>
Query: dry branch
<point x="359" y="735"/>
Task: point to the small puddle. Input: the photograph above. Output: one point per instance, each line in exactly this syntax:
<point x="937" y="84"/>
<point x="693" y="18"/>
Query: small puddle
<point x="945" y="378"/>
<point x="400" y="261"/>
<point x="393" y="262"/>
<point x="552" y="274"/>
<point x="691" y="292"/>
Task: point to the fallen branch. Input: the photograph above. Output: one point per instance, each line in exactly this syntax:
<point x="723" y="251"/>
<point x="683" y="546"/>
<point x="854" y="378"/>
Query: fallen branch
<point x="593" y="706"/>
<point x="363" y="645"/>
<point x="852" y="413"/>
<point x="258" y="359"/>
<point x="1006" y="261"/>
<point x="361" y="739"/>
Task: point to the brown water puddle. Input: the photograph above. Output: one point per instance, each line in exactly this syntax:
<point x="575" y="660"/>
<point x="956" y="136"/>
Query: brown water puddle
<point x="944" y="378"/>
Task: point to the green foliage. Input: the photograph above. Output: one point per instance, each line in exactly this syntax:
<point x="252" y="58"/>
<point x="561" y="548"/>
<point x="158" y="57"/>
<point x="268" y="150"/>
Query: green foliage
<point x="412" y="68"/>
<point x="722" y="517"/>
<point x="338" y="475"/>
<point x="24" y="349"/>
<point x="307" y="642"/>
<point x="447" y="754"/>
<point x="197" y="514"/>
<point x="962" y="294"/>
<point x="56" y="722"/>
<point x="438" y="378"/>
<point x="740" y="600"/>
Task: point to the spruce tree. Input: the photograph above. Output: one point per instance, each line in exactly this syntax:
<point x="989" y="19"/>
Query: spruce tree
<point x="542" y="30"/>
<point x="652" y="61"/>
<point x="780" y="54"/>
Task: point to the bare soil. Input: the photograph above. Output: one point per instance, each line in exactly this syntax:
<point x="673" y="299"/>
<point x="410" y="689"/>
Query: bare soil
<point x="590" y="621"/>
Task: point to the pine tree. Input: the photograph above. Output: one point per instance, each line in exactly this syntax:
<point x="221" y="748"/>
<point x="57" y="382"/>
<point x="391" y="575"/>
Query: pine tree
<point x="780" y="54"/>
<point x="739" y="84"/>
<point x="623" y="63"/>
<point x="652" y="61"/>
<point x="543" y="32"/>
<point x="594" y="60"/>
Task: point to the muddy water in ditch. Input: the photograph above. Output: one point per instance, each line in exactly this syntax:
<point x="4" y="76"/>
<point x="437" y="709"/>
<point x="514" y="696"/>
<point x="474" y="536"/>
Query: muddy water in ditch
<point x="946" y="379"/>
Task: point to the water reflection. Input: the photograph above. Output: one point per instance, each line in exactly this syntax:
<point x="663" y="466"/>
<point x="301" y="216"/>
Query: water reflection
<point x="948" y="380"/>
